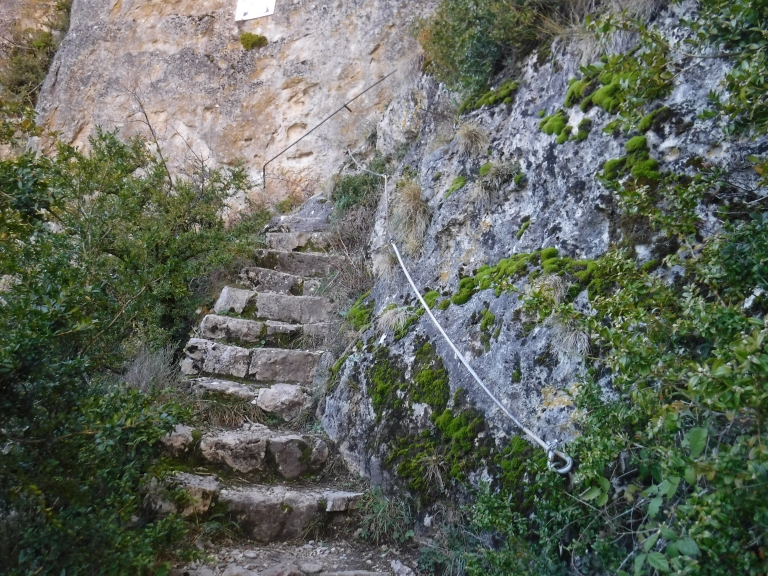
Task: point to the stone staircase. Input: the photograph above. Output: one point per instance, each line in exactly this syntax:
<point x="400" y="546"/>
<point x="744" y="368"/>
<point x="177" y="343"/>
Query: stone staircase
<point x="262" y="345"/>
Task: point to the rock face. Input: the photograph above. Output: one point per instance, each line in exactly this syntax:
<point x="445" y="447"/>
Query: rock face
<point x="560" y="204"/>
<point x="205" y="94"/>
<point x="285" y="400"/>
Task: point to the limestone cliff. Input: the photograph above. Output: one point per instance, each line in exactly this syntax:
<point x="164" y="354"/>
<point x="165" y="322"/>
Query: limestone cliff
<point x="208" y="98"/>
<point x="558" y="204"/>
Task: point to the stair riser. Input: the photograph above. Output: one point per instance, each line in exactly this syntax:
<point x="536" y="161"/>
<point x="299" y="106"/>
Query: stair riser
<point x="258" y="365"/>
<point x="238" y="331"/>
<point x="308" y="265"/>
<point x="297" y="241"/>
<point x="275" y="307"/>
<point x="265" y="280"/>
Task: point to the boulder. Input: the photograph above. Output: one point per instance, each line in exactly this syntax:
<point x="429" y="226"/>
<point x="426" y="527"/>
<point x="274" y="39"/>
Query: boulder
<point x="200" y="491"/>
<point x="294" y="456"/>
<point x="233" y="570"/>
<point x="286" y="400"/>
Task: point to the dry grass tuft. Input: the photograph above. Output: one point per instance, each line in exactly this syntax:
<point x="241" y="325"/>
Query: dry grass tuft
<point x="473" y="139"/>
<point x="153" y="370"/>
<point x="568" y="339"/>
<point x="410" y="215"/>
<point x="392" y="319"/>
<point x="550" y="286"/>
<point x="385" y="265"/>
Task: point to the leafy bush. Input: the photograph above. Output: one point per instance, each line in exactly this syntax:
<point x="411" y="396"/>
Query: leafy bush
<point x="103" y="250"/>
<point x="23" y="72"/>
<point x="466" y="41"/>
<point x="251" y="41"/>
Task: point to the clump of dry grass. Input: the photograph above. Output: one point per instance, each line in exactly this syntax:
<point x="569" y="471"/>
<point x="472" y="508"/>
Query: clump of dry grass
<point x="568" y="339"/>
<point x="385" y="265"/>
<point x="551" y="286"/>
<point x="392" y="319"/>
<point x="473" y="139"/>
<point x="491" y="182"/>
<point x="410" y="215"/>
<point x="153" y="370"/>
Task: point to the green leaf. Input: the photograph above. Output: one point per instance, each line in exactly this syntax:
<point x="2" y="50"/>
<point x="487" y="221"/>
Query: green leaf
<point x="639" y="562"/>
<point x="668" y="534"/>
<point x="690" y="475"/>
<point x="658" y="561"/>
<point x="654" y="505"/>
<point x="604" y="484"/>
<point x="602" y="500"/>
<point x="688" y="547"/>
<point x="648" y="544"/>
<point x="697" y="438"/>
<point x="672" y="550"/>
<point x="591" y="494"/>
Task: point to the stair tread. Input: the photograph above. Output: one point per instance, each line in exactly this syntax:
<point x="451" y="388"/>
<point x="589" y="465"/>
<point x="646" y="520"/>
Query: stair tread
<point x="306" y="264"/>
<point x="243" y="330"/>
<point x="293" y="241"/>
<point x="274" y="306"/>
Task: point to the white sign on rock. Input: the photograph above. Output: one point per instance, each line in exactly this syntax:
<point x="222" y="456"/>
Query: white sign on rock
<point x="250" y="9"/>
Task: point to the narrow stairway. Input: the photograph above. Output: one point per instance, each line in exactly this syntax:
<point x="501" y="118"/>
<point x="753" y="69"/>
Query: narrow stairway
<point x="262" y="345"/>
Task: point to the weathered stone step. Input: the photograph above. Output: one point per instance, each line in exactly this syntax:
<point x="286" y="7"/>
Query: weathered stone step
<point x="270" y="332"/>
<point x="298" y="241"/>
<point x="311" y="217"/>
<point x="266" y="280"/>
<point x="264" y="513"/>
<point x="271" y="513"/>
<point x="269" y="365"/>
<point x="254" y="448"/>
<point x="288" y="401"/>
<point x="306" y="264"/>
<point x="273" y="306"/>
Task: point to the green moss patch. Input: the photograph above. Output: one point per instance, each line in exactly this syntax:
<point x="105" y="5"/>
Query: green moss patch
<point x="458" y="183"/>
<point x="359" y="315"/>
<point x="252" y="41"/>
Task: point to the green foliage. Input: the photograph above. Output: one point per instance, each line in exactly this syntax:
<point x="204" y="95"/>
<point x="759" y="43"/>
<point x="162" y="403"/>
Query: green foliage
<point x="104" y="251"/>
<point x="384" y="519"/>
<point x="251" y="41"/>
<point x="555" y="123"/>
<point x="30" y="56"/>
<point x="485" y="169"/>
<point x="458" y="183"/>
<point x="359" y="315"/>
<point x="585" y="127"/>
<point x="522" y="230"/>
<point x="739" y="27"/>
<point x="358" y="189"/>
<point x="465" y="40"/>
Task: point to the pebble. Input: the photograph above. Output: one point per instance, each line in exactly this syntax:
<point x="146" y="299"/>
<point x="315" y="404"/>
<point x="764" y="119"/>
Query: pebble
<point x="250" y="554"/>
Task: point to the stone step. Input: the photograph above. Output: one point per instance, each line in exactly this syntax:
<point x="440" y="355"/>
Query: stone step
<point x="268" y="365"/>
<point x="266" y="280"/>
<point x="264" y="513"/>
<point x="253" y="449"/>
<point x="288" y="401"/>
<point x="269" y="333"/>
<point x="277" y="513"/>
<point x="298" y="241"/>
<point x="313" y="216"/>
<point x="306" y="264"/>
<point x="273" y="306"/>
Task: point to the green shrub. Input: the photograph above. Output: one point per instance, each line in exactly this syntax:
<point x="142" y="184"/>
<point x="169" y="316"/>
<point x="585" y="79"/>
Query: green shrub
<point x="118" y="271"/>
<point x="358" y="189"/>
<point x="251" y="41"/>
<point x="465" y="40"/>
